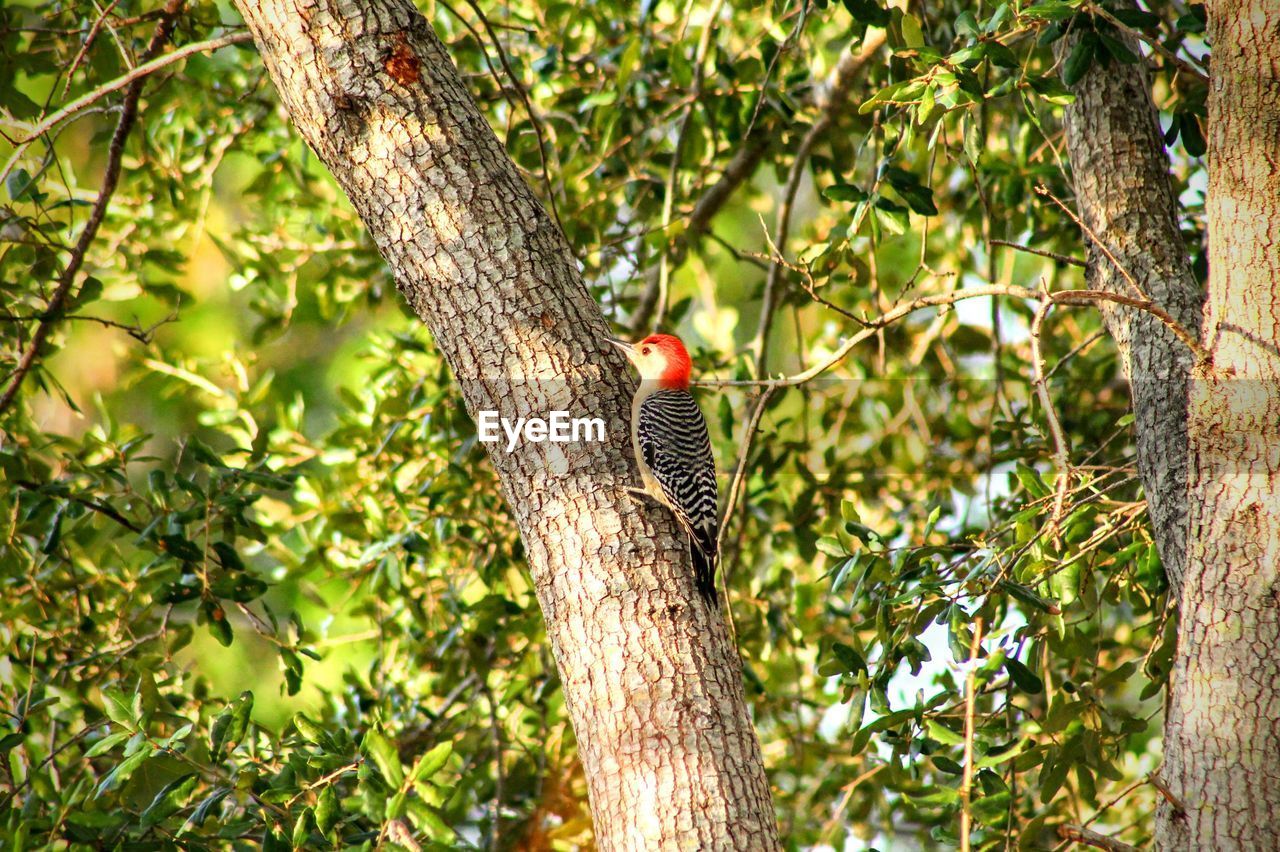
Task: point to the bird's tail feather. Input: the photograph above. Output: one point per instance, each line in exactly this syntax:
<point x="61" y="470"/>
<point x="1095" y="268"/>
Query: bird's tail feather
<point x="704" y="574"/>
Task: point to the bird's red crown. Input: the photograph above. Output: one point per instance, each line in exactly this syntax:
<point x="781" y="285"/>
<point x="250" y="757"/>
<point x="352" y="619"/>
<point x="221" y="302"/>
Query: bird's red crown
<point x="677" y="368"/>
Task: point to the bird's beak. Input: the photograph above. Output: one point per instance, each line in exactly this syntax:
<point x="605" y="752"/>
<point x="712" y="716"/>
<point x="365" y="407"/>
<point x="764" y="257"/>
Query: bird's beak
<point x="621" y="344"/>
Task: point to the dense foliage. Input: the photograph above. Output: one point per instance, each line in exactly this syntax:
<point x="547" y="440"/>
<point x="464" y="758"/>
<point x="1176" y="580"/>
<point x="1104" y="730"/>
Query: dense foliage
<point x="260" y="585"/>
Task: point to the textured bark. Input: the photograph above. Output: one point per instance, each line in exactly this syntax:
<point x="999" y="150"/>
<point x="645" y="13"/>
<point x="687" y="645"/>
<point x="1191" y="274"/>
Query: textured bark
<point x="651" y="681"/>
<point x="1222" y="732"/>
<point x="1125" y="198"/>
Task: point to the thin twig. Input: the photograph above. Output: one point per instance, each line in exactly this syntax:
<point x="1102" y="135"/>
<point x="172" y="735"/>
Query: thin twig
<point x="534" y="118"/>
<point x="744" y="451"/>
<point x="782" y="229"/>
<point x="1147" y="303"/>
<point x="101" y="508"/>
<point x="849" y="790"/>
<point x="668" y="198"/>
<point x="1052" y="255"/>
<point x="111" y="177"/>
<point x="145" y="69"/>
<point x="499" y="746"/>
<point x="136" y="331"/>
<point x="1079" y="834"/>
<point x="1076" y="350"/>
<point x="736" y="486"/>
<point x="842" y="81"/>
<point x="1061" y="297"/>
<point x="831" y="100"/>
<point x="1153" y="43"/>
<point x="1116" y="799"/>
<point x="970" y="703"/>
<point x="1178" y="807"/>
<point x="88" y="42"/>
<point x="1062" y="452"/>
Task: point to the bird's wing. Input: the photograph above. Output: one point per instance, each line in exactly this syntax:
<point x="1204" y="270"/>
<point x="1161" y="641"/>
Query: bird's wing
<point x="677" y="450"/>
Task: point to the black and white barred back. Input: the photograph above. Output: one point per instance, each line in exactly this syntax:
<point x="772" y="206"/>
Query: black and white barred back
<point x="674" y="445"/>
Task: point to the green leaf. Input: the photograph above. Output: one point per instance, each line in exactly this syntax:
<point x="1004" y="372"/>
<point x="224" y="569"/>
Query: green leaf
<point x="383" y="753"/>
<point x="1052" y="778"/>
<point x="884" y="95"/>
<point x="1022" y="677"/>
<point x="107" y="743"/>
<point x="326" y="809"/>
<point x="1050" y="10"/>
<point x="239" y="586"/>
<point x="868" y="12"/>
<point x="918" y="197"/>
<point x="227" y="556"/>
<point x="53" y="534"/>
<point x="936" y="797"/>
<point x="429" y="821"/>
<point x="219" y="626"/>
<point x="1136" y="18"/>
<point x="231" y="724"/>
<point x="123" y="770"/>
<point x="1052" y="90"/>
<point x="309" y="729"/>
<point x="832" y="546"/>
<point x="942" y="733"/>
<point x="846" y="659"/>
<point x="1024" y="595"/>
<point x="302" y="828"/>
<point x="844" y="192"/>
<point x="912" y="35"/>
<point x="893" y="218"/>
<point x="1192" y="135"/>
<point x="169" y="800"/>
<point x="989" y="809"/>
<point x="273" y="841"/>
<point x="431" y="762"/>
<point x="932" y="521"/>
<point x="1080" y="60"/>
<point x="1030" y="479"/>
<point x="19" y="183"/>
<point x="947" y="765"/>
<point x="90" y="291"/>
<point x="125" y="712"/>
<point x="842" y="574"/>
<point x="1194" y="21"/>
<point x="1118" y="49"/>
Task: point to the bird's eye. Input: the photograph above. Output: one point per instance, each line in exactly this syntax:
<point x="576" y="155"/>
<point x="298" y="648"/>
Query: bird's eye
<point x="644" y="351"/>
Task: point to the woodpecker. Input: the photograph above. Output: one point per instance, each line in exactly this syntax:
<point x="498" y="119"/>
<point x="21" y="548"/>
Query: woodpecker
<point x="669" y="436"/>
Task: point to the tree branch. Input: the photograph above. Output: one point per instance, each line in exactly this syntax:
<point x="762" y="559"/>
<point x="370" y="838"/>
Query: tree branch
<point x="831" y="100"/>
<point x="111" y="176"/>
<point x="1052" y="255"/>
<point x="871" y="326"/>
<point x="1153" y="43"/>
<point x="1078" y="834"/>
<point x="970" y="705"/>
<point x="669" y="195"/>
<point x="1062" y="452"/>
<point x="126" y="80"/>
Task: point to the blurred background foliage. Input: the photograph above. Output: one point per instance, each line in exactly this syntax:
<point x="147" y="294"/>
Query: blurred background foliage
<point x="259" y="584"/>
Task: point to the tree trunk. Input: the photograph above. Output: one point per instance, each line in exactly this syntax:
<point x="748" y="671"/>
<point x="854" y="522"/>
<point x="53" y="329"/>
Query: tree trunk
<point x="651" y="681"/>
<point x="1222" y="734"/>
<point x="1125" y="198"/>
